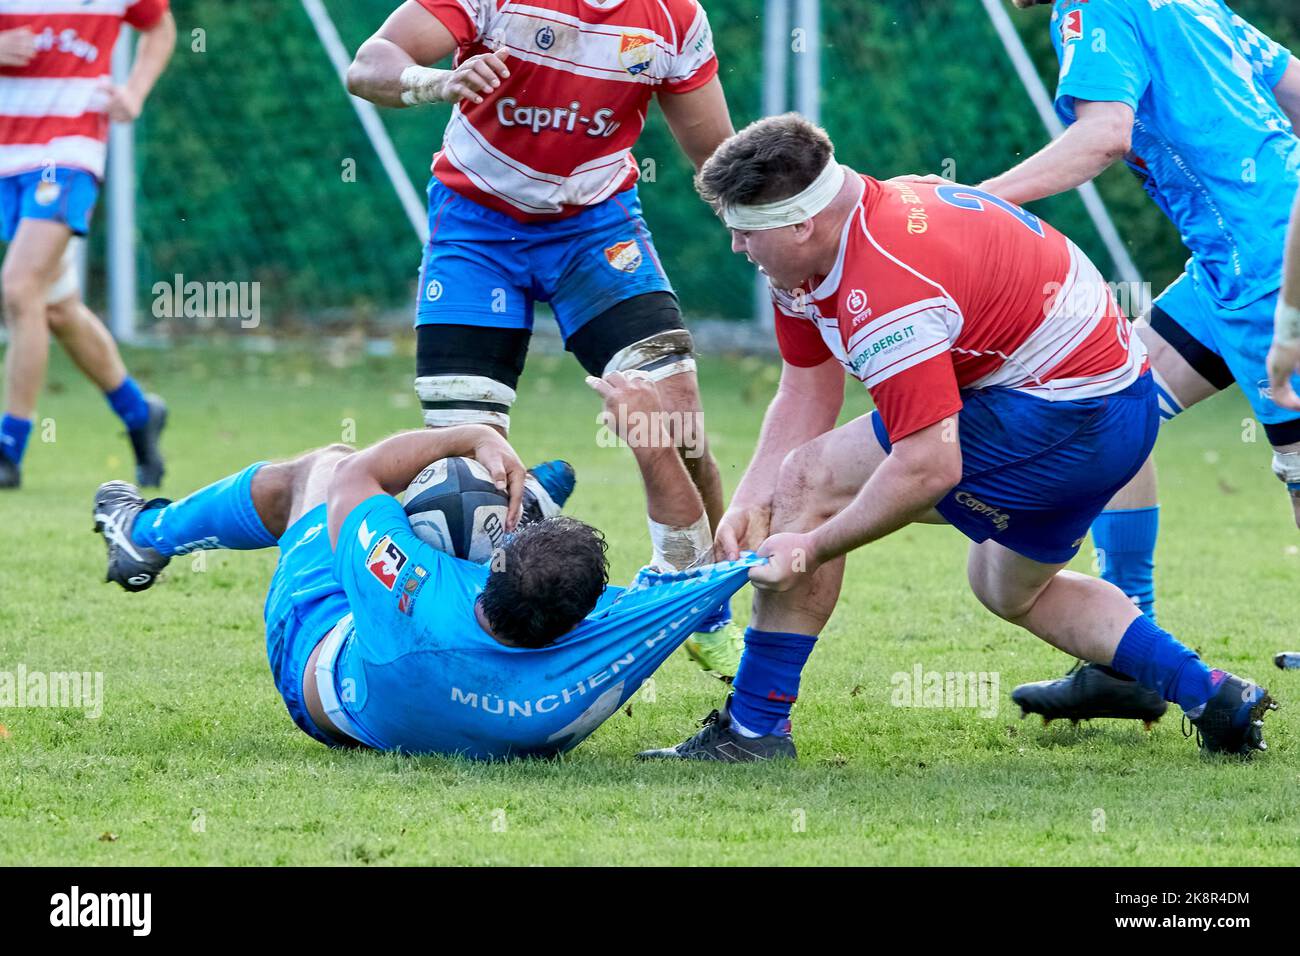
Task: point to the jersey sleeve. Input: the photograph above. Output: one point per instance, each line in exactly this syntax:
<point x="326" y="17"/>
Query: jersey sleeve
<point x="1101" y="54"/>
<point x="904" y="358"/>
<point x="695" y="62"/>
<point x="1266" y="56"/>
<point x="798" y="340"/>
<point x="145" y="14"/>
<point x="384" y="569"/>
<point x="463" y="18"/>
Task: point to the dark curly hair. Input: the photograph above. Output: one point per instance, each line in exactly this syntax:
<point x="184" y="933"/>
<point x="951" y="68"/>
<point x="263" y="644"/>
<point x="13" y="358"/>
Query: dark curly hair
<point x="772" y="158"/>
<point x="546" y="579"/>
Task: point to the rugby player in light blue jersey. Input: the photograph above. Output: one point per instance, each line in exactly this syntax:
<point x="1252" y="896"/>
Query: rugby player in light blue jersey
<point x="1202" y="106"/>
<point x="380" y="640"/>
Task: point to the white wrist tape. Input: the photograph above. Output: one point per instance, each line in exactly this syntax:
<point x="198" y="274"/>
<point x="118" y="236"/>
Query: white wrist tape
<point x="1286" y="323"/>
<point x="421" y="84"/>
<point x="787" y="212"/>
<point x="676" y="549"/>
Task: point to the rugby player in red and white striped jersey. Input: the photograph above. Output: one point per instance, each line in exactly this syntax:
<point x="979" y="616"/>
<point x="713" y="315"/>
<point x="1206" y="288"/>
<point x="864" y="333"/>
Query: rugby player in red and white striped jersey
<point x="56" y="101"/>
<point x="534" y="199"/>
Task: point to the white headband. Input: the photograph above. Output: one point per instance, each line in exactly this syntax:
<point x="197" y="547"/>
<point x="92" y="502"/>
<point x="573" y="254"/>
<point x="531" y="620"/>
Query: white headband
<point x="786" y="212"/>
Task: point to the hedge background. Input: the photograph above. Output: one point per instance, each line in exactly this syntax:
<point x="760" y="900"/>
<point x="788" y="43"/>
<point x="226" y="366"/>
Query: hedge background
<point x="241" y="150"/>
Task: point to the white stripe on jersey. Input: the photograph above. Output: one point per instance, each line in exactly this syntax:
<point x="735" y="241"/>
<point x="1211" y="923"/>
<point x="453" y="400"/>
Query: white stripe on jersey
<point x="81" y="152"/>
<point x="1082" y="302"/>
<point x="56" y="7"/>
<point x="52" y="96"/>
<point x="525" y="188"/>
<point x="578" y="48"/>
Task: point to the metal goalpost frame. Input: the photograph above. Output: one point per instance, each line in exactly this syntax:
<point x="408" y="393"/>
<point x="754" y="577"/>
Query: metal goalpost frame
<point x="1042" y="101"/>
<point x="776" y="63"/>
<point x="382" y="143"/>
<point x="120" y="243"/>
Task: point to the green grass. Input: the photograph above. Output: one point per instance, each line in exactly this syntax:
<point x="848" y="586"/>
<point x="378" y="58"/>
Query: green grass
<point x="194" y="760"/>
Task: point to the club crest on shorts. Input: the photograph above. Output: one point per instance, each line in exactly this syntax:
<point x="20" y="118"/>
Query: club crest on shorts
<point x="47" y="193"/>
<point x="624" y="256"/>
<point x="635" y="52"/>
<point x="385" y="561"/>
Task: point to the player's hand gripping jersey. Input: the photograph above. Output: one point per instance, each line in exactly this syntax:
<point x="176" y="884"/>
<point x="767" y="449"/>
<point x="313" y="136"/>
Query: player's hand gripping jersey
<point x="558" y="133"/>
<point x="53" y="110"/>
<point x="940" y="289"/>
<point x="1210" y="143"/>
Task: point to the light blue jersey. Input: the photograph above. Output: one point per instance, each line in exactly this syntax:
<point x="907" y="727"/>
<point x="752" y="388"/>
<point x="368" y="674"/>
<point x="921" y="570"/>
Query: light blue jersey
<point x="1210" y="143"/>
<point x="412" y="669"/>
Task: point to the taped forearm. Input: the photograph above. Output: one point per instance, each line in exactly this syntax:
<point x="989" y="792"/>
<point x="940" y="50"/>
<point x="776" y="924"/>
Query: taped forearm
<point x="423" y="84"/>
<point x="676" y="549"/>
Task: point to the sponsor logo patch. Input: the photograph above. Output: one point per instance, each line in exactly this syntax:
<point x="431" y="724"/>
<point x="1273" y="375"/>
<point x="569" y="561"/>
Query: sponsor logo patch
<point x="856" y="302"/>
<point x="1072" y="26"/>
<point x="635" y="53"/>
<point x="544" y="38"/>
<point x="433" y="290"/>
<point x="410" y="589"/>
<point x="385" y="561"/>
<point x="624" y="256"/>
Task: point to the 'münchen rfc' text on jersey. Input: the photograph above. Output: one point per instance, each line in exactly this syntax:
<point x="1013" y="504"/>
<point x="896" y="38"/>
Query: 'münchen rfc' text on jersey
<point x="940" y="289"/>
<point x="557" y="135"/>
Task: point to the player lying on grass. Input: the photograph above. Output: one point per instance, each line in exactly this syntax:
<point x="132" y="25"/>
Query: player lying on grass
<point x="378" y="639"/>
<point x="56" y="101"/>
<point x="1223" y="166"/>
<point x="534" y="198"/>
<point x="1011" y="402"/>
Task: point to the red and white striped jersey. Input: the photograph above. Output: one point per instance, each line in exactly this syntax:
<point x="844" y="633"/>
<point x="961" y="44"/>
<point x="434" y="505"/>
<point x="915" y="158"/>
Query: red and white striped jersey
<point x="557" y="135"/>
<point x="53" y="110"/>
<point x="943" y="288"/>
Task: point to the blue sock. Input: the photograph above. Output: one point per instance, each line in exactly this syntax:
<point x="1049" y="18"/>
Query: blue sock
<point x="1156" y="660"/>
<point x="13" y="437"/>
<point x="129" y="404"/>
<point x="219" y="516"/>
<point x="1127" y="542"/>
<point x="767" y="681"/>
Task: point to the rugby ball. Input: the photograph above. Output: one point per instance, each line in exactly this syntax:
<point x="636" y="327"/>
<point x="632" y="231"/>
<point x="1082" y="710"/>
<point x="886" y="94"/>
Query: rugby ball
<point x="454" y="506"/>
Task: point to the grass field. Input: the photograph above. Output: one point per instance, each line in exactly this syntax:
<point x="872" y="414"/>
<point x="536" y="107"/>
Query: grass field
<point x="195" y="761"/>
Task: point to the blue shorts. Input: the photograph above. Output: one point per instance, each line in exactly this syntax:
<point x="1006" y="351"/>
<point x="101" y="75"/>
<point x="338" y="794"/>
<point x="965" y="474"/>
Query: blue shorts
<point x="1035" y="474"/>
<point x="1240" y="337"/>
<point x="483" y="268"/>
<point x="304" y="602"/>
<point x="61" y="194"/>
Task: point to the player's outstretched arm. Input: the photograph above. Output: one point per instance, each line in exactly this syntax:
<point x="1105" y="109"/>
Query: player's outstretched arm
<point x="807" y="403"/>
<point x="699" y="120"/>
<point x="389" y="466"/>
<point x="152" y="54"/>
<point x="920" y="469"/>
<point x="1101" y="135"/>
<point x="392" y="67"/>
<point x="1287" y="92"/>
